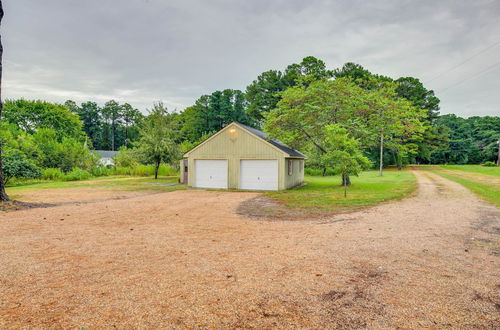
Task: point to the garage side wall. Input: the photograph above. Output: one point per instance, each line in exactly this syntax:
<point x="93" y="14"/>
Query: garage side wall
<point x="297" y="176"/>
<point x="235" y="144"/>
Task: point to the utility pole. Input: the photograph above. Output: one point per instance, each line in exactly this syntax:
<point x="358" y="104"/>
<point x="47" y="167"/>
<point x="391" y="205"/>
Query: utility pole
<point x="498" y="159"/>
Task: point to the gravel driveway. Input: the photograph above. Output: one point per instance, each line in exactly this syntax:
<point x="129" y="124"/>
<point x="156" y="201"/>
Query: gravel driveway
<point x="186" y="259"/>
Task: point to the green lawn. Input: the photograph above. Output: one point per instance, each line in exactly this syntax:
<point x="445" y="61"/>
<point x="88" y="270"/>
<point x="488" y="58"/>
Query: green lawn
<point x="495" y="171"/>
<point x="326" y="193"/>
<point x="112" y="182"/>
<point x="484" y="181"/>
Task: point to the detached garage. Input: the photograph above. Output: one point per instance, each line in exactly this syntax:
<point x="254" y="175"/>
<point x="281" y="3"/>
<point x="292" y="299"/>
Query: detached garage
<point x="241" y="157"/>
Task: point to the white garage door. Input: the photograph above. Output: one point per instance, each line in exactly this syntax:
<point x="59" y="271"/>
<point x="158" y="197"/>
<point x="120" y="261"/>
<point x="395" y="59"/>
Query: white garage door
<point x="210" y="173"/>
<point x="259" y="174"/>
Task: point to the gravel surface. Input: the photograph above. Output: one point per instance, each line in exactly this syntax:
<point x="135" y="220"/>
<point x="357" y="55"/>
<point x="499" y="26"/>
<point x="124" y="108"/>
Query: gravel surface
<point x="187" y="259"/>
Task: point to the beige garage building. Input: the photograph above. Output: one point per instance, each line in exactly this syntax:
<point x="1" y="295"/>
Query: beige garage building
<point x="241" y="157"/>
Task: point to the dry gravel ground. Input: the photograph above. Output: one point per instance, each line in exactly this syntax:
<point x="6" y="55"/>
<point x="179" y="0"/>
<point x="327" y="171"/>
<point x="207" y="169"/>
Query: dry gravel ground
<point x="186" y="259"/>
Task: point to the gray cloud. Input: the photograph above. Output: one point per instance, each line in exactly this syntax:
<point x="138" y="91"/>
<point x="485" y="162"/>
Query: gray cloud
<point x="143" y="51"/>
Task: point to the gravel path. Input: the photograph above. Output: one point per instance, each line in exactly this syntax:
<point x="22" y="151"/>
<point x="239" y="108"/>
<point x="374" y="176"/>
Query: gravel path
<point x="186" y="259"/>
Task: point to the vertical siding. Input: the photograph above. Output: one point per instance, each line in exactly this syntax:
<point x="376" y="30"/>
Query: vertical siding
<point x="236" y="146"/>
<point x="297" y="176"/>
<point x="181" y="175"/>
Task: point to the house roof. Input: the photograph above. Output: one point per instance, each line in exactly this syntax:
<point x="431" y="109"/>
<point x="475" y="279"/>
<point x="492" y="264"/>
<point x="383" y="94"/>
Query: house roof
<point x="278" y="144"/>
<point x="106" y="153"/>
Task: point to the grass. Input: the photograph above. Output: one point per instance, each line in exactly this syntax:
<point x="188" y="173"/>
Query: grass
<point x="494" y="171"/>
<point x="112" y="182"/>
<point x="481" y="180"/>
<point x="326" y="193"/>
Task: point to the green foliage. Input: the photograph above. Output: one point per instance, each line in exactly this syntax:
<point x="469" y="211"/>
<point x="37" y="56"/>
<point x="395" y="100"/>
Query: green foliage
<point x="374" y="116"/>
<point x="108" y="127"/>
<point x="77" y="174"/>
<point x="318" y="172"/>
<point x="343" y="153"/>
<point x="33" y="115"/>
<point x="126" y="158"/>
<point x="101" y="170"/>
<point x="471" y="141"/>
<point x="264" y="93"/>
<point x="157" y="143"/>
<point x="15" y="164"/>
<point x="53" y="174"/>
<point x="146" y="170"/>
<point x="414" y="91"/>
<point x="210" y="113"/>
<point x="65" y="153"/>
<point x="489" y="164"/>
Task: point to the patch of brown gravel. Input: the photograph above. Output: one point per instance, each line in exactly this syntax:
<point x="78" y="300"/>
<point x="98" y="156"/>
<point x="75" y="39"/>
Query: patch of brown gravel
<point x="78" y="195"/>
<point x="186" y="259"/>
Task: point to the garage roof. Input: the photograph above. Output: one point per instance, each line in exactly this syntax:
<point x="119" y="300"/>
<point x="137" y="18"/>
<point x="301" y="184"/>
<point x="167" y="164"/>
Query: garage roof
<point x="278" y="144"/>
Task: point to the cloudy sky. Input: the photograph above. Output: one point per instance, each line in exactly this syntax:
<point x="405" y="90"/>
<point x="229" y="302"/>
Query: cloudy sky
<point x="142" y="51"/>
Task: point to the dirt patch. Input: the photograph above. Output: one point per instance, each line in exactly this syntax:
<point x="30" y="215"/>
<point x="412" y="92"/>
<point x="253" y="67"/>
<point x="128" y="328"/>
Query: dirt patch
<point x="267" y="209"/>
<point x="18" y="205"/>
<point x="78" y="195"/>
<point x="190" y="259"/>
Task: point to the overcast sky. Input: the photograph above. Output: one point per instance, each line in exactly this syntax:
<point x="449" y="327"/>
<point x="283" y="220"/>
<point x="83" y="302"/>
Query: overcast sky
<point x="142" y="51"/>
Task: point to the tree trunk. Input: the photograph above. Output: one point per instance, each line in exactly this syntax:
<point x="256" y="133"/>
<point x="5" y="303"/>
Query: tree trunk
<point x="113" y="135"/>
<point x="126" y="135"/>
<point x="397" y="158"/>
<point x="346" y="179"/>
<point x="157" y="167"/>
<point x="3" y="194"/>
<point x="498" y="160"/>
<point x="381" y="153"/>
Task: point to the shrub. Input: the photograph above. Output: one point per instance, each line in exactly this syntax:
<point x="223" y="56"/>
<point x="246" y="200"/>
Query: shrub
<point x="146" y="170"/>
<point x="101" y="170"/>
<point x="76" y="175"/>
<point x="52" y="174"/>
<point x="126" y="158"/>
<point x="489" y="164"/>
<point x="17" y="165"/>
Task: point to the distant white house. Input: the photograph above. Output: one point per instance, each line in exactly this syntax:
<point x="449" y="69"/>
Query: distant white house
<point x="106" y="156"/>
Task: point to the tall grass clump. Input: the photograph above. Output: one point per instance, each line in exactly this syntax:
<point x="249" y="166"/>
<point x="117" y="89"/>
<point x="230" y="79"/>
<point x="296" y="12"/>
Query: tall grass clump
<point x="53" y="174"/>
<point x="101" y="171"/>
<point x="77" y="174"/>
<point x="146" y="170"/>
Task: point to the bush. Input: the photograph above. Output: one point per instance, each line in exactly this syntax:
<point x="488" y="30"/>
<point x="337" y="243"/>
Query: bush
<point x="489" y="164"/>
<point x="17" y="165"/>
<point x="123" y="171"/>
<point x="76" y="175"/>
<point x="101" y="170"/>
<point x="126" y="158"/>
<point x="52" y="174"/>
<point x="146" y="170"/>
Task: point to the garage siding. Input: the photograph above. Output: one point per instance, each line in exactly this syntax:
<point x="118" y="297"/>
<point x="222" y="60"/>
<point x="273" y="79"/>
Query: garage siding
<point x="297" y="176"/>
<point x="235" y="144"/>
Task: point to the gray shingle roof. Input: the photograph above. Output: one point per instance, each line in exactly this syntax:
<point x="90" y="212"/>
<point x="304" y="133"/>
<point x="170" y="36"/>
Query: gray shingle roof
<point x="106" y="153"/>
<point x="278" y="144"/>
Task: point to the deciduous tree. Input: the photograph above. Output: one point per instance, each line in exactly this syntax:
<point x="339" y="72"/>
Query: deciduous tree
<point x="343" y="153"/>
<point x="157" y="142"/>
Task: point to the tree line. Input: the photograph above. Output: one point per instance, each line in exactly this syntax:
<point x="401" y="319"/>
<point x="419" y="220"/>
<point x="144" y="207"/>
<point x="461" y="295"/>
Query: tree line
<point x="346" y="119"/>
